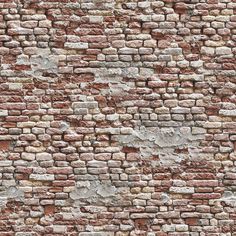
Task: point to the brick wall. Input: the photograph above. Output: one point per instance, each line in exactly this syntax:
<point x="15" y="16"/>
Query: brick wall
<point x="117" y="118"/>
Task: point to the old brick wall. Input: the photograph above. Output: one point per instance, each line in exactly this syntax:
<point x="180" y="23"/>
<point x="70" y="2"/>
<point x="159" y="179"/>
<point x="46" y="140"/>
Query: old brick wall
<point x="117" y="117"/>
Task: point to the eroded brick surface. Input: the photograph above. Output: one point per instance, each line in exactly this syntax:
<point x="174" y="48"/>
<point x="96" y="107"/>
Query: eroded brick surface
<point x="117" y="118"/>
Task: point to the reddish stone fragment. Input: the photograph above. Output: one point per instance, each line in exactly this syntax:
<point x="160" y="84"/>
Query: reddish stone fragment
<point x="5" y="145"/>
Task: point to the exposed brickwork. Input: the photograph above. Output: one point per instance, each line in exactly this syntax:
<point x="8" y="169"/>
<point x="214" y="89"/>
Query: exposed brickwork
<point x="117" y="118"/>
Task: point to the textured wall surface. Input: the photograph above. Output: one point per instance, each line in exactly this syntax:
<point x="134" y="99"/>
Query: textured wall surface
<point x="117" y="118"/>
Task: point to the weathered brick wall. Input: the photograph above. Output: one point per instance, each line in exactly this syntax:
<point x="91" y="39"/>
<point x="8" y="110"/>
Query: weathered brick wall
<point x="117" y="117"/>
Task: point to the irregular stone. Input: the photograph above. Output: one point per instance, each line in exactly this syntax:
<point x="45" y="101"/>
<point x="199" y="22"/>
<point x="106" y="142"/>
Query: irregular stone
<point x="89" y="105"/>
<point x="97" y="234"/>
<point x="223" y="51"/>
<point x="42" y="177"/>
<point x="3" y="112"/>
<point x="78" y="45"/>
<point x="227" y="112"/>
<point x="183" y="190"/>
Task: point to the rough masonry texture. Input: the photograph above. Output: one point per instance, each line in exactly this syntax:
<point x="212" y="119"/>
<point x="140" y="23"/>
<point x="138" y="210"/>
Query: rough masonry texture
<point x="117" y="118"/>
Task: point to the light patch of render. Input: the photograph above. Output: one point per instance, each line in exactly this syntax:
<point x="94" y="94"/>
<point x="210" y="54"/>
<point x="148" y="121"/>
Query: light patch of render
<point x="10" y="193"/>
<point x="114" y="77"/>
<point x="163" y="142"/>
<point x="229" y="198"/>
<point x="43" y="61"/>
<point x="95" y="192"/>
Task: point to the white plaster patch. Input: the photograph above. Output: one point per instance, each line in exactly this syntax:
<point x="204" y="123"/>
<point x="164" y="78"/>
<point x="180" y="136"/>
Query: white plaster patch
<point x="10" y="193"/>
<point x="44" y="61"/>
<point x="163" y="142"/>
<point x="94" y="192"/>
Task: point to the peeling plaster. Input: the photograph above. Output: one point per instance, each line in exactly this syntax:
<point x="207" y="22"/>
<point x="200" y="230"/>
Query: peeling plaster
<point x="94" y="192"/>
<point x="163" y="142"/>
<point x="44" y="61"/>
<point x="10" y="193"/>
